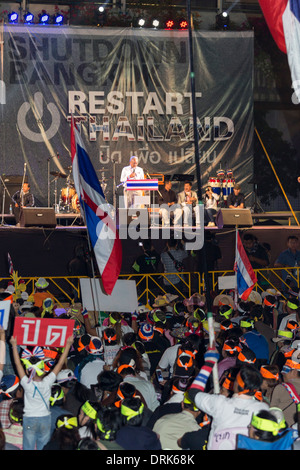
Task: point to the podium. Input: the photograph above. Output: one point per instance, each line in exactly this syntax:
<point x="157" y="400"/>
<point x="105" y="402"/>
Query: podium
<point x="143" y="185"/>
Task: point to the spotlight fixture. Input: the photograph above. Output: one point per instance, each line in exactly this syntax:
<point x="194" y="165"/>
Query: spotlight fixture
<point x="101" y="9"/>
<point x="58" y="19"/>
<point x="222" y="20"/>
<point x="169" y="24"/>
<point x="141" y="22"/>
<point x="13" y="17"/>
<point x="183" y="24"/>
<point x="44" y="18"/>
<point x="155" y="23"/>
<point x="28" y="18"/>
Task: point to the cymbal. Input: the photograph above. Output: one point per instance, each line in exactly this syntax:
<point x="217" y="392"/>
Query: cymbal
<point x="58" y="173"/>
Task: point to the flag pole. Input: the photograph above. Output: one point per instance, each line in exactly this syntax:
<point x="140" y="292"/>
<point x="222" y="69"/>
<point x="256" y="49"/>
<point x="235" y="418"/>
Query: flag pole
<point x="236" y="287"/>
<point x="91" y="262"/>
<point x="212" y="339"/>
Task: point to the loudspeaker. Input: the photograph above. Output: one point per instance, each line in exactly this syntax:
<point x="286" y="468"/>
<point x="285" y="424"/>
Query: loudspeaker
<point x="38" y="217"/>
<point x="234" y="217"/>
<point x="126" y="216"/>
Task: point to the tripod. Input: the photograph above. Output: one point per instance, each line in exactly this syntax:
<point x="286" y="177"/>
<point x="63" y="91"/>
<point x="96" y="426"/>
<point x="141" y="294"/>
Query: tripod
<point x="3" y="200"/>
<point x="256" y="207"/>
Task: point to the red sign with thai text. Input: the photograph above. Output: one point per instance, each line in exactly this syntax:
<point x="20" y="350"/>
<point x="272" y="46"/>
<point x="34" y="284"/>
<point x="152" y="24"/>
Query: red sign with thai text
<point x="43" y="331"/>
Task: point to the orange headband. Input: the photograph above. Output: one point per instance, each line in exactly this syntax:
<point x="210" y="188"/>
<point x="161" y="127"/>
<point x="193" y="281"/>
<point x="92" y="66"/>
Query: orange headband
<point x="292" y="364"/>
<point x="124" y="366"/>
<point x="109" y="338"/>
<point x="269" y="304"/>
<point x="267" y="374"/>
<point x="243" y="358"/>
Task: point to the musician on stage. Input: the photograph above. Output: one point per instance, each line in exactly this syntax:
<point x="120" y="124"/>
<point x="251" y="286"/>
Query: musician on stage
<point x="236" y="200"/>
<point x="22" y="198"/>
<point x="131" y="172"/>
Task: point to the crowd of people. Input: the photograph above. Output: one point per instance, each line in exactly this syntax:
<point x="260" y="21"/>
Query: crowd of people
<point x="165" y="377"/>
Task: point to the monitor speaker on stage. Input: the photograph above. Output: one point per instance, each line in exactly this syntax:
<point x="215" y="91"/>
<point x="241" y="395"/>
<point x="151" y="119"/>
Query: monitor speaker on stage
<point x="38" y="217"/>
<point x="234" y="217"/>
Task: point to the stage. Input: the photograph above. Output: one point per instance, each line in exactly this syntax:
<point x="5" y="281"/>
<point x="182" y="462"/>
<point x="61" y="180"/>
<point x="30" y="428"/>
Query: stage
<point x="41" y="251"/>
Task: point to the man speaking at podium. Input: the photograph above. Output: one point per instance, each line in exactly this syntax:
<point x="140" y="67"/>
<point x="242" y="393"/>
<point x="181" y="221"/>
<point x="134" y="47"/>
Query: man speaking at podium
<point x="131" y="172"/>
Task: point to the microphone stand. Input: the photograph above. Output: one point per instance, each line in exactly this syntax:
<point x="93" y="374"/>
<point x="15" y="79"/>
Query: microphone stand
<point x="3" y="200"/>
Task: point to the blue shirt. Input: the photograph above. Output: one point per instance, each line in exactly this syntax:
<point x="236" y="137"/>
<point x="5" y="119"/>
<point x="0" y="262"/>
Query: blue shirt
<point x="288" y="258"/>
<point x="258" y="344"/>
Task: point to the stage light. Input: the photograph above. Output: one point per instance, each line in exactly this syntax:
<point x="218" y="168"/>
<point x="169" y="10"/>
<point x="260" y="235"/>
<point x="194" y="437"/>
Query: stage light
<point x="155" y="23"/>
<point x="183" y="24"/>
<point x="13" y="17"/>
<point x="141" y="22"/>
<point x="28" y="18"/>
<point x="58" y="19"/>
<point x="222" y="20"/>
<point x="169" y="24"/>
<point x="44" y="18"/>
<point x="101" y="9"/>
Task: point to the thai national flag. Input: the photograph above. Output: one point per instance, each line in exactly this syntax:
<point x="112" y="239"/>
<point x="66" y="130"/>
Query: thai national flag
<point x="283" y="19"/>
<point x="10" y="264"/>
<point x="101" y="227"/>
<point x="246" y="278"/>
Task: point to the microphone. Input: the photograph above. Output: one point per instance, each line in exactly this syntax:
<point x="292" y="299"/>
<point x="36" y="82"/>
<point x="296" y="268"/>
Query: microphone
<point x="57" y="154"/>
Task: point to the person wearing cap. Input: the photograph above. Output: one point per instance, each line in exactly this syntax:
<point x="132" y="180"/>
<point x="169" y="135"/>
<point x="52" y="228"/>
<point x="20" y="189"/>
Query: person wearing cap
<point x="10" y="390"/>
<point x="41" y="293"/>
<point x="283" y="341"/>
<point x="75" y="392"/>
<point x="286" y="395"/>
<point x="292" y="306"/>
<point x="236" y="200"/>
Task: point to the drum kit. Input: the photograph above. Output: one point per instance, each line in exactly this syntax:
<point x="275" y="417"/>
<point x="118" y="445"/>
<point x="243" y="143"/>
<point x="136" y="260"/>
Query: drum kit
<point x="223" y="183"/>
<point x="68" y="198"/>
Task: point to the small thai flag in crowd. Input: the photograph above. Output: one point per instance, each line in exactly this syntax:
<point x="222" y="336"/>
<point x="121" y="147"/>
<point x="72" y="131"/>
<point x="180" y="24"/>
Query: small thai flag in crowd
<point x="10" y="264"/>
<point x="245" y="276"/>
<point x="101" y="227"/>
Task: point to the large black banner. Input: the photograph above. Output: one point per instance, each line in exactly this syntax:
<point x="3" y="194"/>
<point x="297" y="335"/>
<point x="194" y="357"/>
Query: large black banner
<point x="130" y="92"/>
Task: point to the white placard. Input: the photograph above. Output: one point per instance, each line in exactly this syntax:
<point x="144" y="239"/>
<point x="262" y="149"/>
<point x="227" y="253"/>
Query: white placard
<point x="226" y="282"/>
<point x="122" y="299"/>
<point x="4" y="313"/>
